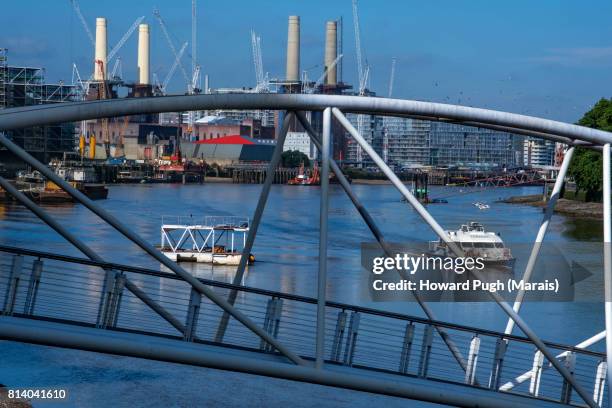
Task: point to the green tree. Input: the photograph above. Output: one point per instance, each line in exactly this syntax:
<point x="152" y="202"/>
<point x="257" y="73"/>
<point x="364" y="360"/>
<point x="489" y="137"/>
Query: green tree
<point x="587" y="164"/>
<point x="294" y="158"/>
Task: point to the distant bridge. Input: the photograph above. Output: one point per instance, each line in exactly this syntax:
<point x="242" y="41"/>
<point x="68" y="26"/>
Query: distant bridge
<point x="231" y="327"/>
<point x="510" y="179"/>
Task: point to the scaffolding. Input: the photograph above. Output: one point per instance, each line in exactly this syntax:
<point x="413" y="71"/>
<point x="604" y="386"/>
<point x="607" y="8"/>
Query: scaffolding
<point x="3" y="75"/>
<point x="26" y="86"/>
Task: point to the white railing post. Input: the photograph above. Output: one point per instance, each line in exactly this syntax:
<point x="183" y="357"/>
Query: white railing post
<point x="470" y="373"/>
<point x="536" y="373"/>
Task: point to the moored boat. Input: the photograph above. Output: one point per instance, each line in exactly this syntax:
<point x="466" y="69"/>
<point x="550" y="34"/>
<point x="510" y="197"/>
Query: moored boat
<point x="217" y="240"/>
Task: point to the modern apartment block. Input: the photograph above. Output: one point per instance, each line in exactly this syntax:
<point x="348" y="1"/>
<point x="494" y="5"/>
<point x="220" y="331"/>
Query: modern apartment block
<point x="405" y="142"/>
<point x="538" y="152"/>
<point x="452" y="144"/>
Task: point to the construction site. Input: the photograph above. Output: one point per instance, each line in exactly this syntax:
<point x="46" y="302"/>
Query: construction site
<point x="166" y="145"/>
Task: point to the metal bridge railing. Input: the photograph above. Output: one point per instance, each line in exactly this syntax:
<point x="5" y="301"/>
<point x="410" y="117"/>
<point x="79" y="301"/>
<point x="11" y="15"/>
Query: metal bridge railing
<point x="40" y="285"/>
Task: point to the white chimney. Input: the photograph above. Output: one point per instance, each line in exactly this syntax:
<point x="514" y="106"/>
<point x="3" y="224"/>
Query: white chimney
<point x="143" y="54"/>
<point x="293" y="49"/>
<point x="330" y="53"/>
<point x="100" y="55"/>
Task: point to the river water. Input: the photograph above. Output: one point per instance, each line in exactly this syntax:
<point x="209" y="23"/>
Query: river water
<point x="286" y="250"/>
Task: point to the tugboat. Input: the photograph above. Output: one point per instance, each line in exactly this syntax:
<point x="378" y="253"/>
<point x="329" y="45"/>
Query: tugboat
<point x="302" y="180"/>
<point x="476" y="243"/>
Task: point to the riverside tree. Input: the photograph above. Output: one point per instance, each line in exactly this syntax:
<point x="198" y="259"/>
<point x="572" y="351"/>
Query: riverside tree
<point x="587" y="164"/>
<point x="294" y="158"/>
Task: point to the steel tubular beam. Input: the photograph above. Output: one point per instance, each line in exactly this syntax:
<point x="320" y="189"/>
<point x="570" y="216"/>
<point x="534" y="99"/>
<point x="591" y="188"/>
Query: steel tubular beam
<point x="378" y="235"/>
<point x="420" y="209"/>
<point x="457" y="251"/>
<point x="254" y="225"/>
<point x="128" y="344"/>
<point x="148" y="248"/>
<point x="607" y="257"/>
<point x="14" y="118"/>
<point x="535" y="251"/>
<point x="323" y="214"/>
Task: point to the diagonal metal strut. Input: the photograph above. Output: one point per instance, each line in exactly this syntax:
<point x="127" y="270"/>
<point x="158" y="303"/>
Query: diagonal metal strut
<point x="148" y="248"/>
<point x="440" y="232"/>
<point x="261" y="205"/>
<point x="316" y="139"/>
<point x="87" y="251"/>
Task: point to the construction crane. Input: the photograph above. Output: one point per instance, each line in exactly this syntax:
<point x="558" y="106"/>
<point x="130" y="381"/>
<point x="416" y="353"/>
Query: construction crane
<point x="117" y="69"/>
<point x="173" y="68"/>
<point x="391" y="77"/>
<point x="177" y="57"/>
<point x="311" y="89"/>
<point x="358" y="43"/>
<point x="123" y="39"/>
<point x="339" y="45"/>
<point x="194" y="26"/>
<point x="362" y="75"/>
<point x="262" y="80"/>
<point x="77" y="10"/>
<point x="83" y="88"/>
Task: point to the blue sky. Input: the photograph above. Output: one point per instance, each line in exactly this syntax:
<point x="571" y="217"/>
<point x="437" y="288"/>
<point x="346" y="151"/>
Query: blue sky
<point x="551" y="58"/>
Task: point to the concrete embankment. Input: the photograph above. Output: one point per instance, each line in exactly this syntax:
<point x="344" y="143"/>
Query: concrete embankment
<point x="570" y="208"/>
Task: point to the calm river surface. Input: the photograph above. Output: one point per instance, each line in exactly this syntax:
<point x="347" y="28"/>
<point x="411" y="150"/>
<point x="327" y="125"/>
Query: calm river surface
<point x="286" y="250"/>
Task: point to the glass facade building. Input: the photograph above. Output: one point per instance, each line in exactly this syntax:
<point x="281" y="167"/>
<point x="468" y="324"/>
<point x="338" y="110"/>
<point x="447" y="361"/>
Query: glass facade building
<point x="405" y="142"/>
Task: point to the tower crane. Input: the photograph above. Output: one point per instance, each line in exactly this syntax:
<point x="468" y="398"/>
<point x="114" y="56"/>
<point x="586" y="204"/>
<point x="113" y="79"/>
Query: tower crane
<point x="120" y="43"/>
<point x="123" y="39"/>
<point x="362" y="73"/>
<point x="358" y="43"/>
<point x="172" y="70"/>
<point x="77" y="11"/>
<point x="194" y="26"/>
<point x="311" y="89"/>
<point x="392" y="77"/>
<point x="177" y="57"/>
<point x="262" y="80"/>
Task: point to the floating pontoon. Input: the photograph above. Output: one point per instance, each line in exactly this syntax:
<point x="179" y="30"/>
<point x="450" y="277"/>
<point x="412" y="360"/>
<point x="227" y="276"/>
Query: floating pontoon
<point x="212" y="239"/>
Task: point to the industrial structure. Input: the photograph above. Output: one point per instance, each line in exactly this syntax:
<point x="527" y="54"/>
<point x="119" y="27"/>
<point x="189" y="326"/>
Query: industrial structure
<point x="26" y="86"/>
<point x="402" y="142"/>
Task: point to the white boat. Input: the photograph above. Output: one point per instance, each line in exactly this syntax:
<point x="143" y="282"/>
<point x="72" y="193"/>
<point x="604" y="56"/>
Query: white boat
<point x="476" y="243"/>
<point x="217" y="240"/>
<point x="482" y="206"/>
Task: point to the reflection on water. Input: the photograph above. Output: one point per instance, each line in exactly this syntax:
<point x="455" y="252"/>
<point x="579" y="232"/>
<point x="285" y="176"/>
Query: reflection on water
<point x="287" y="244"/>
<point x="584" y="230"/>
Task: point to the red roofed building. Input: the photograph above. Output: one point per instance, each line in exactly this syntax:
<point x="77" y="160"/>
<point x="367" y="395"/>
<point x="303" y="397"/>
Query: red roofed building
<point x="229" y="140"/>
